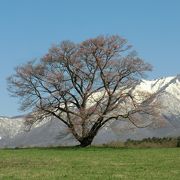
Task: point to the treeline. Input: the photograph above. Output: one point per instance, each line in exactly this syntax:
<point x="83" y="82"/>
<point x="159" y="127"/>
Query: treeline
<point x="154" y="142"/>
<point x="148" y="142"/>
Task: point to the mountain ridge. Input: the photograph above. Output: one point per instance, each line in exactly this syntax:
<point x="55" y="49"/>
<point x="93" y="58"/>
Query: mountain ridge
<point x="166" y="90"/>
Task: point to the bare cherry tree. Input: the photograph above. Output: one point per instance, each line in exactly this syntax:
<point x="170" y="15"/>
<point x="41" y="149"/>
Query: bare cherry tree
<point x="84" y="85"/>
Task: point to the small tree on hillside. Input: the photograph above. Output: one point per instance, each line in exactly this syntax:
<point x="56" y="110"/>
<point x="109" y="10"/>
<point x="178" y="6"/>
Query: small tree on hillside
<point x="84" y="85"/>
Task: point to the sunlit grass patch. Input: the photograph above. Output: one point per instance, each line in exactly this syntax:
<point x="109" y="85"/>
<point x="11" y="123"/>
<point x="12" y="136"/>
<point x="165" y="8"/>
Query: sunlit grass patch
<point x="90" y="163"/>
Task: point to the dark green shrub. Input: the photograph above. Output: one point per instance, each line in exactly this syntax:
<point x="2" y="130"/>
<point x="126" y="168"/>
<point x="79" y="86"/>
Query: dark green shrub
<point x="178" y="142"/>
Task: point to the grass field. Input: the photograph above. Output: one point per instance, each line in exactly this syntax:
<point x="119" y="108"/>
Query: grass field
<point x="90" y="163"/>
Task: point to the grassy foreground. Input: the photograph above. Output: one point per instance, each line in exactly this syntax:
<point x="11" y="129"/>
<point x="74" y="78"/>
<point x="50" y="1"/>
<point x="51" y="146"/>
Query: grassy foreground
<point x="90" y="163"/>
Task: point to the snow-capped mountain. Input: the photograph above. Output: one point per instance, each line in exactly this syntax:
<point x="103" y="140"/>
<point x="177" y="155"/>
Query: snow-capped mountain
<point x="53" y="132"/>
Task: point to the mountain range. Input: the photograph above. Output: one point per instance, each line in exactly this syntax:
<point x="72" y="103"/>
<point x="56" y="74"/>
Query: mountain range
<point x="52" y="132"/>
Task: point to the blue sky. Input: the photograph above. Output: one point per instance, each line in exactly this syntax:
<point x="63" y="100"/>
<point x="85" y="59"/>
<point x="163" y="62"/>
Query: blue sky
<point x="29" y="27"/>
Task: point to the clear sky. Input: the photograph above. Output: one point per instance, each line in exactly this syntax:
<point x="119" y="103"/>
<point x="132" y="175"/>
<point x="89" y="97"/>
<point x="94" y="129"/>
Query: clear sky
<point x="29" y="27"/>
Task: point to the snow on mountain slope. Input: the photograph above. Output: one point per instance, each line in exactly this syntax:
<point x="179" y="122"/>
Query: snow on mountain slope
<point x="48" y="133"/>
<point x="10" y="127"/>
<point x="170" y="84"/>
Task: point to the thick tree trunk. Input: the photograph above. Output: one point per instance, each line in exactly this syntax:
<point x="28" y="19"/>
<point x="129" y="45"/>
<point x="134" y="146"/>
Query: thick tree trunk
<point x="86" y="141"/>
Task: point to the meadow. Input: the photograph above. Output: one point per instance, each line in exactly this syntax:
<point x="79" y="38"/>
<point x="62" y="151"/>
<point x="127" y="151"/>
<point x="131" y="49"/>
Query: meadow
<point x="90" y="163"/>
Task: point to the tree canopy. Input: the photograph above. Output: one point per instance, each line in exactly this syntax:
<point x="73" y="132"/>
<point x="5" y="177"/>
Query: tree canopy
<point x="84" y="85"/>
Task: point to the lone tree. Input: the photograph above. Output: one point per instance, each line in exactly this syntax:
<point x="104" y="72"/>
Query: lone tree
<point x="84" y="85"/>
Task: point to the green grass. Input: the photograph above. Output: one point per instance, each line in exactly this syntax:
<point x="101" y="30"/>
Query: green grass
<point x="90" y="163"/>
